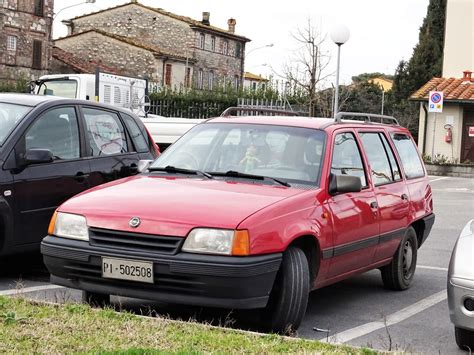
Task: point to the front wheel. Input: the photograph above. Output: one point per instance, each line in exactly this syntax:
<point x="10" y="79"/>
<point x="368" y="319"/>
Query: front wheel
<point x="289" y="297"/>
<point x="464" y="338"/>
<point x="398" y="275"/>
<point x="95" y="299"/>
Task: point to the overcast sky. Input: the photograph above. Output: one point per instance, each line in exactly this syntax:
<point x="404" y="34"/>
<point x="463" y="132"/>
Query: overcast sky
<point x="382" y="32"/>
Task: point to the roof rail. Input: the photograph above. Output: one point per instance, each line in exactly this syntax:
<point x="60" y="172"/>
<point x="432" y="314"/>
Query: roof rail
<point x="368" y="117"/>
<point x="258" y="111"/>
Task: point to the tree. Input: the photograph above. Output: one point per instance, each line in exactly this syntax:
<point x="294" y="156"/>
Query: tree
<point x="307" y="67"/>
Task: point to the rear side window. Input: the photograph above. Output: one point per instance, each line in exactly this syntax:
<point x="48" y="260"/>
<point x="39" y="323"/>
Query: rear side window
<point x="381" y="169"/>
<point x="408" y="155"/>
<point x="139" y="136"/>
<point x="396" y="174"/>
<point x="105" y="132"/>
<point x="346" y="158"/>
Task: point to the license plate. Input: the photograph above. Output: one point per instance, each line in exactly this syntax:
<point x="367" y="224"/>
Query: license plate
<point x="124" y="269"/>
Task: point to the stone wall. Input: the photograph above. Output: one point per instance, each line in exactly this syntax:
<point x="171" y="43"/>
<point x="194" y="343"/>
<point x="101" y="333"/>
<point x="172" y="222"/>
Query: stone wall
<point x="128" y="59"/>
<point x="17" y="19"/>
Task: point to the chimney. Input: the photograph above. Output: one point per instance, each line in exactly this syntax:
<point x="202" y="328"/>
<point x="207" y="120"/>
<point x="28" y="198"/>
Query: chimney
<point x="231" y="23"/>
<point x="467" y="75"/>
<point x="205" y="18"/>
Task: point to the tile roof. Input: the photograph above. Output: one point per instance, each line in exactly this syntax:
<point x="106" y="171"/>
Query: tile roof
<point x="80" y="65"/>
<point x="453" y="89"/>
<point x="251" y="76"/>
<point x="131" y="41"/>
<point x="188" y="20"/>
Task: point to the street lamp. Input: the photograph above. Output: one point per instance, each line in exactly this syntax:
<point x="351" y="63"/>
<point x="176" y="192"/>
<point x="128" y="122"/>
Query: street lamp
<point x="67" y="7"/>
<point x="254" y="49"/>
<point x="339" y="35"/>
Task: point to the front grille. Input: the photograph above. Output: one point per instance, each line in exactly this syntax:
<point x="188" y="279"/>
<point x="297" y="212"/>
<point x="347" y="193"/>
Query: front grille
<point x="135" y="241"/>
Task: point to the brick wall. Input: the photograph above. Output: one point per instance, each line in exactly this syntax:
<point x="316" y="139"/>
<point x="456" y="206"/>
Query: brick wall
<point x="18" y="19"/>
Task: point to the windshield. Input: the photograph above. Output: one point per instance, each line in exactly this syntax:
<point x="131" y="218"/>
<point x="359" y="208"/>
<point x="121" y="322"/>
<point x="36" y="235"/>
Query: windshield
<point x="279" y="152"/>
<point x="64" y="88"/>
<point x="10" y="115"/>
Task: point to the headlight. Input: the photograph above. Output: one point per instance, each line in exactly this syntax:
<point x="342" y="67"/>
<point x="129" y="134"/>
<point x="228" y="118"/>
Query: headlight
<point x="217" y="241"/>
<point x="69" y="225"/>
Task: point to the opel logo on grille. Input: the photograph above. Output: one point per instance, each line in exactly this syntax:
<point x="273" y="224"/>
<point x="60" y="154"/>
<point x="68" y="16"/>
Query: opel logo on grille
<point x="134" y="222"/>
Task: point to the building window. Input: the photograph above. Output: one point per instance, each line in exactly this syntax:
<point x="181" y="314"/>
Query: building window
<point x="37" y="54"/>
<point x="225" y="47"/>
<point x="213" y="43"/>
<point x="238" y="50"/>
<point x="168" y="72"/>
<point x="254" y="86"/>
<point x="200" y="82"/>
<point x="202" y="41"/>
<point x="11" y="43"/>
<point x="39" y="8"/>
<point x="211" y="80"/>
<point x="187" y="79"/>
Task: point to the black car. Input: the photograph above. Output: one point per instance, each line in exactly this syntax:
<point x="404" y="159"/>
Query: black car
<point x="52" y="149"/>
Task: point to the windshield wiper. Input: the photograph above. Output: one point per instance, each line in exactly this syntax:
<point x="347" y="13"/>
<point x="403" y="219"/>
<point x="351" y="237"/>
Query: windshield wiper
<point x="233" y="173"/>
<point x="173" y="169"/>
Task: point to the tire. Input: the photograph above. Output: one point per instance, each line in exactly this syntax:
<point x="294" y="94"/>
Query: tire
<point x="464" y="338"/>
<point x="399" y="274"/>
<point x="289" y="297"/>
<point x="95" y="299"/>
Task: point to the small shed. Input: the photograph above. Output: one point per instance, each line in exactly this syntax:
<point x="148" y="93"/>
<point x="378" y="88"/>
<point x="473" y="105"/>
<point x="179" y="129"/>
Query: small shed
<point x="448" y="134"/>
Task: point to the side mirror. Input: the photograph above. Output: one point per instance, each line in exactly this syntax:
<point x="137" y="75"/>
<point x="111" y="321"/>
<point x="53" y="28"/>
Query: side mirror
<point x="143" y="165"/>
<point x="37" y="156"/>
<point x="344" y="183"/>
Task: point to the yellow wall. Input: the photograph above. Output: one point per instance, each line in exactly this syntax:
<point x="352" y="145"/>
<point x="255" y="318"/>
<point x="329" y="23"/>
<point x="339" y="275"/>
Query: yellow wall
<point x="459" y="38"/>
<point x="385" y="84"/>
<point x="450" y="150"/>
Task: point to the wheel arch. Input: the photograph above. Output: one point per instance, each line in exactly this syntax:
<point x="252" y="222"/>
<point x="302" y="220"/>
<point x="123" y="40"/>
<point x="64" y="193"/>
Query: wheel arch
<point x="310" y="246"/>
<point x="419" y="227"/>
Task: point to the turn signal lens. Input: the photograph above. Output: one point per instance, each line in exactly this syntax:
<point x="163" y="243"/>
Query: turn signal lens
<point x="52" y="223"/>
<point x="241" y="245"/>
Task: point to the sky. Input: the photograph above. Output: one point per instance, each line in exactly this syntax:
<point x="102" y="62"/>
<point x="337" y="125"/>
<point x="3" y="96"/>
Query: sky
<point x="382" y="32"/>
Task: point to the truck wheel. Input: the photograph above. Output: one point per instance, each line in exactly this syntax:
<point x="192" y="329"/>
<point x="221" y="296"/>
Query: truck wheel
<point x="398" y="275"/>
<point x="95" y="299"/>
<point x="289" y="297"/>
<point x="464" y="338"/>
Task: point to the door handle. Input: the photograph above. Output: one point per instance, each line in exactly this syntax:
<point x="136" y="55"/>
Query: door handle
<point x="374" y="205"/>
<point x="80" y="177"/>
<point x="404" y="197"/>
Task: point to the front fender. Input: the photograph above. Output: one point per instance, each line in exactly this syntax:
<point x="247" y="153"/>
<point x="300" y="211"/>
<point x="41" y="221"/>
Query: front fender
<point x="6" y="226"/>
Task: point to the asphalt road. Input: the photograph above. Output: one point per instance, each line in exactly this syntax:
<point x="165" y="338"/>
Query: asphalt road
<point x="358" y="311"/>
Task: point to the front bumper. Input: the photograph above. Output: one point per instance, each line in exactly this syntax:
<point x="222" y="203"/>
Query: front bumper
<point x="460" y="316"/>
<point x="183" y="278"/>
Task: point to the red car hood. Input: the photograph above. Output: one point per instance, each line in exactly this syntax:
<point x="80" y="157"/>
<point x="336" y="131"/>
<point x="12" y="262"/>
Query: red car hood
<point x="173" y="206"/>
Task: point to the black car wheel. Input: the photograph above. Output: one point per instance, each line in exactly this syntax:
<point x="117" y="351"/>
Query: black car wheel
<point x="95" y="299"/>
<point x="289" y="297"/>
<point x="398" y="275"/>
<point x="464" y="338"/>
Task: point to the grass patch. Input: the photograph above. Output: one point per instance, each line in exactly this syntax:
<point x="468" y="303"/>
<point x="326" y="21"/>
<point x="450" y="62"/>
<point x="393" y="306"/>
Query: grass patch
<point x="27" y="327"/>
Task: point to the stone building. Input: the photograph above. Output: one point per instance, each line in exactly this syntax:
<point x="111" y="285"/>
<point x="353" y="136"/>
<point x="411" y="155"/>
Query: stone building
<point x="174" y="50"/>
<point x="25" y="38"/>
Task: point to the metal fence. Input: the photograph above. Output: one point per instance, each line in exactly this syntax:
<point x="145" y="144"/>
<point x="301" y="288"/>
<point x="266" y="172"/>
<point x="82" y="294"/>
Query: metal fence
<point x="186" y="109"/>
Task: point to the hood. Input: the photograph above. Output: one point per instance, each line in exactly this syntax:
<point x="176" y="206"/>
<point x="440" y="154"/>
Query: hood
<point x="173" y="206"/>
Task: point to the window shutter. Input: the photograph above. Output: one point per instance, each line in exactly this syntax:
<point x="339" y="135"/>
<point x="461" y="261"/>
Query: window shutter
<point x="168" y="75"/>
<point x="37" y="54"/>
<point x="39" y="8"/>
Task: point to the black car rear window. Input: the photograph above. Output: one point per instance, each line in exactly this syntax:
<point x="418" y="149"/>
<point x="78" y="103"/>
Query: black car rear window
<point x="139" y="136"/>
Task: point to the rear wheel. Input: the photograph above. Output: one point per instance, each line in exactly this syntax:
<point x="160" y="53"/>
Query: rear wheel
<point x="95" y="299"/>
<point x="464" y="338"/>
<point x="398" y="275"/>
<point x="289" y="297"/>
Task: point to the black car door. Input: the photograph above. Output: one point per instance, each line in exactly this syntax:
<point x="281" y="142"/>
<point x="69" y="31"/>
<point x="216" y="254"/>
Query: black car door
<point x="112" y="154"/>
<point x="40" y="188"/>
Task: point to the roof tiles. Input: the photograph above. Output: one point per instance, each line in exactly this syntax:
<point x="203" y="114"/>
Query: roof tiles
<point x="453" y="89"/>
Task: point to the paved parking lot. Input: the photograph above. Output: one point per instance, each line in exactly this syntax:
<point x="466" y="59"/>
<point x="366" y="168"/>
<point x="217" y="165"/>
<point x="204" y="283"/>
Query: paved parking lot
<point x="358" y="311"/>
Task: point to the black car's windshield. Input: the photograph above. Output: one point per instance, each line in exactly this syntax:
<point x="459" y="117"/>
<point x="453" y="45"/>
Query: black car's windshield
<point x="10" y="115"/>
<point x="226" y="149"/>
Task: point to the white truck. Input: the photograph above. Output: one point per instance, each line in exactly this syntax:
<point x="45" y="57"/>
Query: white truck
<point x="116" y="90"/>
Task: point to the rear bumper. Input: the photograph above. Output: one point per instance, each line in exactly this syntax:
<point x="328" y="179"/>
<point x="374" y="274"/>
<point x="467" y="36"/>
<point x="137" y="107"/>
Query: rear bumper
<point x="184" y="278"/>
<point x="429" y="221"/>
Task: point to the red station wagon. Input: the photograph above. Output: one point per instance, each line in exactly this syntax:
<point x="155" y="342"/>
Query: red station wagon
<point x="251" y="212"/>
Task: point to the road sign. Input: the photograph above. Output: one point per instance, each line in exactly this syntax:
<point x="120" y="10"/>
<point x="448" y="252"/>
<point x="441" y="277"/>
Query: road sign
<point x="435" y="103"/>
<point x="471" y="131"/>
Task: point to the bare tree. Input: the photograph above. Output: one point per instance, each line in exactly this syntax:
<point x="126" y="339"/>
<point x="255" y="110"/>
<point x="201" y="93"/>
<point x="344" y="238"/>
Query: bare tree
<point x="307" y="68"/>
